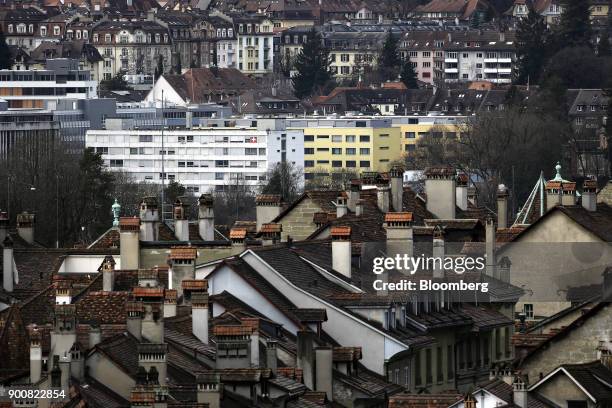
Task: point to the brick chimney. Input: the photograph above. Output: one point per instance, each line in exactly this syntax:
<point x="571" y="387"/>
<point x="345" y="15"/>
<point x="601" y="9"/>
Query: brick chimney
<point x="323" y="370"/>
<point x="182" y="266"/>
<point x="589" y="195"/>
<point x="353" y="194"/>
<point x="306" y="357"/>
<point x="438" y="251"/>
<point x="181" y="221"/>
<point x="461" y="191"/>
<point x="206" y="217"/>
<point x="341" y="250"/>
<point x="63" y="291"/>
<point x="149" y="219"/>
<point x="35" y="354"/>
<point x="129" y="244"/>
<point x="152" y="357"/>
<point x="268" y="207"/>
<point x="4" y="223"/>
<point x="502" y="206"/>
<point x="519" y="387"/>
<point x="341" y="206"/>
<point x="383" y="193"/>
<point x="199" y="316"/>
<point x="236" y="338"/>
<point x="152" y="322"/>
<point x="8" y="265"/>
<point x="399" y="234"/>
<point x="238" y="238"/>
<point x="107" y="269"/>
<point x="441" y="191"/>
<point x="396" y="175"/>
<point x="169" y="303"/>
<point x="490" y="239"/>
<point x="209" y="389"/>
<point x="271" y="233"/>
<point x="25" y="226"/>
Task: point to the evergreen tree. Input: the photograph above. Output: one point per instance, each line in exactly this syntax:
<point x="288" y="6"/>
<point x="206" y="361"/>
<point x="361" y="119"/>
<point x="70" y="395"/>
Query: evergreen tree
<point x="575" y="25"/>
<point x="389" y="61"/>
<point x="408" y="74"/>
<point x="312" y="66"/>
<point x="603" y="48"/>
<point x="531" y="37"/>
<point x="6" y="61"/>
<point x="159" y="69"/>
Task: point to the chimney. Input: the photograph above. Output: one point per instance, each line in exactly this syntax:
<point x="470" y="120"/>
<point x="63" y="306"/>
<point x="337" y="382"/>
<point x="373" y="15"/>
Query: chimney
<point x="152" y="326"/>
<point x="341" y="250"/>
<point x="306" y="357"/>
<point x="8" y="264"/>
<point x="353" y="195"/>
<point x="148" y="278"/>
<point x="341" y="206"/>
<point x="182" y="267"/>
<point x="209" y="389"/>
<point x="149" y="219"/>
<point x="238" y="238"/>
<point x="271" y="233"/>
<point x="503" y="269"/>
<point x="206" y="217"/>
<point x="63" y="292"/>
<point x="469" y="401"/>
<point x="502" y="206"/>
<point x="359" y="208"/>
<point x="383" y="191"/>
<point x="25" y="226"/>
<point x="63" y="334"/>
<point x="605" y="353"/>
<point x="271" y="358"/>
<point x="77" y="362"/>
<point x="181" y="221"/>
<point x="397" y="188"/>
<point x="107" y="268"/>
<point x="253" y="323"/>
<point x="4" y="222"/>
<point x="64" y="366"/>
<point x="129" y="245"/>
<point x="56" y="373"/>
<point x="35" y="355"/>
<point x="399" y="234"/>
<point x="490" y="246"/>
<point x="323" y="364"/>
<point x="134" y="311"/>
<point x="472" y="196"/>
<point x="268" y="207"/>
<point x="440" y="189"/>
<point x="589" y="195"/>
<point x="461" y="191"/>
<point x="568" y="193"/>
<point x="234" y="337"/>
<point x="519" y="387"/>
<point x="152" y="357"/>
<point x="169" y="303"/>
<point x="95" y="336"/>
<point x="199" y="316"/>
<point x="438" y="251"/>
<point x="553" y="194"/>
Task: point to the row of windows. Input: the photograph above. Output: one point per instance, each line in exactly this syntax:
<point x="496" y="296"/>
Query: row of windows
<point x="337" y="163"/>
<point x="124" y="39"/>
<point x="351" y="151"/>
<point x="339" y="138"/>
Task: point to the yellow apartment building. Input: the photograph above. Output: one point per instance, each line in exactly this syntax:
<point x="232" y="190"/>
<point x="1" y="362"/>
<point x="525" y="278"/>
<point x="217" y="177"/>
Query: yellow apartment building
<point x="359" y="144"/>
<point x="413" y="129"/>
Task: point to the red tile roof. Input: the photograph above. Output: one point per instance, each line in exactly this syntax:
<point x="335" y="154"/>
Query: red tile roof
<point x="398" y="217"/>
<point x="190" y="253"/>
<point x="195" y="284"/>
<point x="341" y="232"/>
<point x="129" y="224"/>
<point x="148" y="292"/>
<point x="232" y="330"/>
<point x="271" y="228"/>
<point x="238" y="233"/>
<point x="268" y="199"/>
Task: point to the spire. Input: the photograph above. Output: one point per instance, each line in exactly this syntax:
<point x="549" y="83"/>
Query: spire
<point x="116" y="209"/>
<point x="558" y="175"/>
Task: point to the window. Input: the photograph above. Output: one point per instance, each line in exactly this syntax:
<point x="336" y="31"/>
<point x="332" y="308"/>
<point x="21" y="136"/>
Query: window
<point x="102" y="150"/>
<point x="351" y="151"/>
<point x="133" y="150"/>
<point x="528" y="310"/>
<point x="308" y="138"/>
<point x="344" y="57"/>
<point x="308" y="163"/>
<point x="428" y="376"/>
<point x="145" y="138"/>
<point x="364" y="150"/>
<point x="364" y="138"/>
<point x="336" y="138"/>
<point x="410" y="135"/>
<point x="56" y="30"/>
<point x="116" y="163"/>
<point x="250" y="151"/>
<point x="336" y="151"/>
<point x="350" y="138"/>
<point x="308" y="150"/>
<point x="364" y="163"/>
<point x="43" y="33"/>
<point x="336" y="163"/>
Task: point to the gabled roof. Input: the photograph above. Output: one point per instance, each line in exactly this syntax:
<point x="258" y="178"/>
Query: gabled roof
<point x="594" y="379"/>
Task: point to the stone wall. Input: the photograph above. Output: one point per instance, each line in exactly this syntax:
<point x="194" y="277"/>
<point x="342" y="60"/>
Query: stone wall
<point x="298" y="223"/>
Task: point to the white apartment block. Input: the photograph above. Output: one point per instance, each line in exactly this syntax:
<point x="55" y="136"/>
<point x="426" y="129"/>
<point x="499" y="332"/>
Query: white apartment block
<point x="493" y="65"/>
<point x="203" y="159"/>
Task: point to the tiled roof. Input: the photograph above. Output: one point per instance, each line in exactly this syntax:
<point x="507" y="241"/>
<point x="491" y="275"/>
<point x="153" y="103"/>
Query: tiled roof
<point x="198" y="83"/>
<point x="129" y="224"/>
<point x="341" y="231"/>
<point x="595" y="378"/>
<point x="268" y="199"/>
<point x="271" y="228"/>
<point x="446" y="171"/>
<point x="189" y="253"/>
<point x="102" y="308"/>
<point x="241" y="330"/>
<point x="238" y="233"/>
<point x="311" y="315"/>
<point x="347" y="354"/>
<point x="424" y="400"/>
<point x="195" y="284"/>
<point x="122" y="349"/>
<point x="147" y="292"/>
<point x="398" y="217"/>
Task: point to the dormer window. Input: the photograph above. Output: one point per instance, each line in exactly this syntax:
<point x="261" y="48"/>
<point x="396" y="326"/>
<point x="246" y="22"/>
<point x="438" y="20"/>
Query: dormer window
<point x="21" y="28"/>
<point x="157" y="38"/>
<point x="85" y="34"/>
<point x="107" y="38"/>
<point x="10" y="28"/>
<point x="31" y="28"/>
<point x="43" y="31"/>
<point x="56" y="30"/>
<point x="230" y="32"/>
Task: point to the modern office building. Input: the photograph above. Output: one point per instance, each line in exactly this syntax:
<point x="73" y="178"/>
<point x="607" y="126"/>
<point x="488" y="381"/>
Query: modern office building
<point x="61" y="79"/>
<point x="213" y="156"/>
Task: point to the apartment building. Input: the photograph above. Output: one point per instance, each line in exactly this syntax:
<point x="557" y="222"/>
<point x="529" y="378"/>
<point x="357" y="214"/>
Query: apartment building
<point x="359" y="144"/>
<point x="255" y="44"/>
<point x="412" y="129"/>
<point x="353" y="52"/>
<point x="61" y="79"/>
<point x="211" y="157"/>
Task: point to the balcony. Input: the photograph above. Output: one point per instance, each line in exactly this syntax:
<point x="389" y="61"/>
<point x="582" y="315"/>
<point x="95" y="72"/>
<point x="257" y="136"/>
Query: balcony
<point x="451" y="60"/>
<point x="504" y="70"/>
<point x="451" y="70"/>
<point x="491" y="60"/>
<point x="490" y="70"/>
